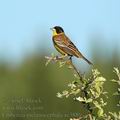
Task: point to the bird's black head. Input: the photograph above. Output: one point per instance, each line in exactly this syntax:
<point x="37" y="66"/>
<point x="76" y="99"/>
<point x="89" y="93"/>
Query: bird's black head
<point x="58" y="29"/>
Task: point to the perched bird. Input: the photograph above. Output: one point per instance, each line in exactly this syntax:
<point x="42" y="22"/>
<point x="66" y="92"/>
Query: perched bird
<point x="64" y="45"/>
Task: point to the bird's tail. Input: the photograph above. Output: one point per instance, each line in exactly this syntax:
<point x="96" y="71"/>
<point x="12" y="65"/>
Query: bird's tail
<point x="90" y="63"/>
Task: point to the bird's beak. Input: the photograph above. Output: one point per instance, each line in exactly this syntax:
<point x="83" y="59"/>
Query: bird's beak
<point x="51" y="29"/>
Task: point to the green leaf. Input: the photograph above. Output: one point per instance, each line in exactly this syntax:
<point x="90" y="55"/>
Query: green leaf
<point x="80" y="99"/>
<point x="61" y="64"/>
<point x="77" y="91"/>
<point x="100" y="112"/>
<point x="89" y="100"/>
<point x="59" y="95"/>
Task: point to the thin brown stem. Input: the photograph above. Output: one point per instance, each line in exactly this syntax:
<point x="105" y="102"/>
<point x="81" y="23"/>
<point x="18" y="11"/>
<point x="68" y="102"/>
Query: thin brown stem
<point x="90" y="116"/>
<point x="75" y="69"/>
<point x="85" y="92"/>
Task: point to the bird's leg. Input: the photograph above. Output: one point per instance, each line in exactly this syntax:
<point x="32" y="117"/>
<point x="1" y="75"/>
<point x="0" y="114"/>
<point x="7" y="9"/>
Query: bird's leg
<point x="61" y="57"/>
<point x="70" y="58"/>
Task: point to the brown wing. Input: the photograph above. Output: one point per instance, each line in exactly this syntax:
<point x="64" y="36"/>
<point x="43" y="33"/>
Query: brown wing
<point x="72" y="47"/>
<point x="64" y="43"/>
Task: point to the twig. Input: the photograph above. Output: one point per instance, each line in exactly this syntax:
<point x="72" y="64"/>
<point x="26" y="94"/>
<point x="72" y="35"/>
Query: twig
<point x="54" y="58"/>
<point x="90" y="116"/>
<point x="84" y="90"/>
<point x="75" y="69"/>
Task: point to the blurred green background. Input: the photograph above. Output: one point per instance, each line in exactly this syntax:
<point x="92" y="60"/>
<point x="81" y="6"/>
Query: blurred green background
<point x="27" y="88"/>
<point x="30" y="88"/>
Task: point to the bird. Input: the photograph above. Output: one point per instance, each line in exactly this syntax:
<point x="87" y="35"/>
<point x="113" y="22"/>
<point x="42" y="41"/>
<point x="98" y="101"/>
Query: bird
<point x="64" y="45"/>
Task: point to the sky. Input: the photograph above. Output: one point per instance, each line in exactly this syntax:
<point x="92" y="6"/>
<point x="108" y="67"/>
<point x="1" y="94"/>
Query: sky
<point x="25" y="24"/>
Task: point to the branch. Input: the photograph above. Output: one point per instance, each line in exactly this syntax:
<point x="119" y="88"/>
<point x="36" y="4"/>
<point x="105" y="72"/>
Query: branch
<point x="90" y="116"/>
<point x="75" y="69"/>
<point x="68" y="61"/>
